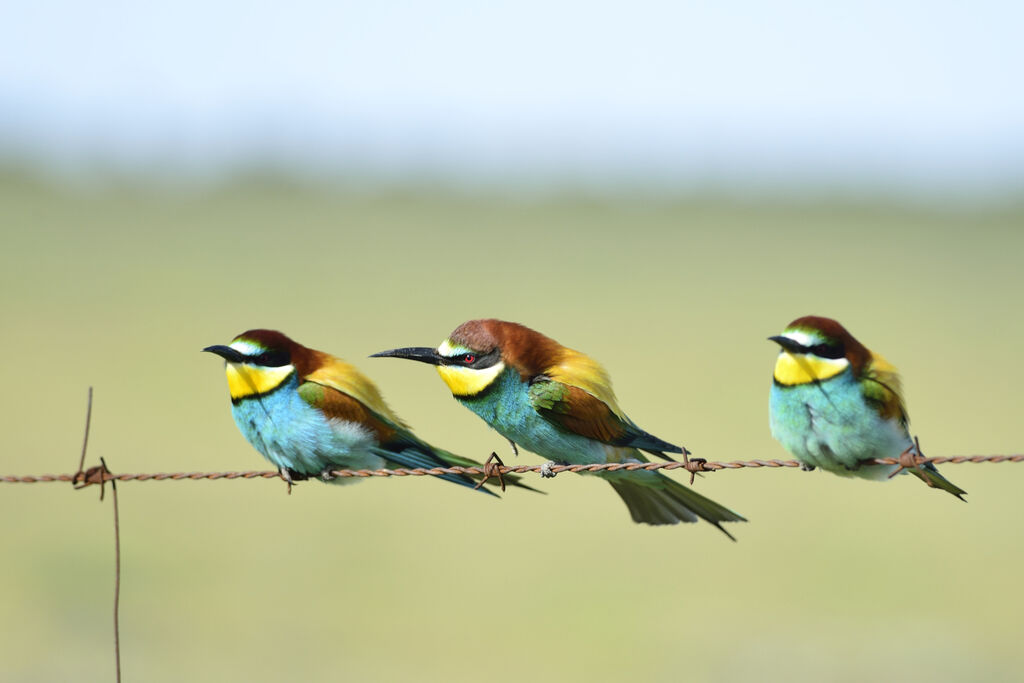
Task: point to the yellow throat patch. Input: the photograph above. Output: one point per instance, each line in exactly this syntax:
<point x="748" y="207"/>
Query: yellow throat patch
<point x="800" y="368"/>
<point x="246" y="380"/>
<point x="465" y="381"/>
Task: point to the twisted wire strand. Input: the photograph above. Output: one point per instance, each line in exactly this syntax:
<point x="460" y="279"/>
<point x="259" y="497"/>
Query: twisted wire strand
<point x="100" y="475"/>
<point x="694" y="465"/>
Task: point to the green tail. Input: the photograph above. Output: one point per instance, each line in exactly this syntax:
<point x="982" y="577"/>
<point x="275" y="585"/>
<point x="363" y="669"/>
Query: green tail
<point x="660" y="500"/>
<point x="929" y="475"/>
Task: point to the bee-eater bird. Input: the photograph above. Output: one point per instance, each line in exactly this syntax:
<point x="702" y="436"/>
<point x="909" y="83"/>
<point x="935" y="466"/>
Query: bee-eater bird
<point x="309" y="413"/>
<point x="835" y="404"/>
<point x="559" y="403"/>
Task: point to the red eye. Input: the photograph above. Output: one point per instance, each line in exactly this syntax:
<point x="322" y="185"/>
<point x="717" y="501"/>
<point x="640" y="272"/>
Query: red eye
<point x="468" y="358"/>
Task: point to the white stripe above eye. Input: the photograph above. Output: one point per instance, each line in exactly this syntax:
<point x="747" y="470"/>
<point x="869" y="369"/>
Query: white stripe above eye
<point x="246" y="348"/>
<point x="450" y="350"/>
<point x="801" y="337"/>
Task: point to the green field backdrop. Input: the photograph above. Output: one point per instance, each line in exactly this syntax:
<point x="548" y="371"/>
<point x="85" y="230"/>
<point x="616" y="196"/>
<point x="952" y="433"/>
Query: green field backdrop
<point x="416" y="579"/>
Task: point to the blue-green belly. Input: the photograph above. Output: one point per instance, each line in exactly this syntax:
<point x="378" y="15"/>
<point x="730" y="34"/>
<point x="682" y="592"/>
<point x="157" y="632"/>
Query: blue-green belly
<point x="292" y="434"/>
<point x="507" y="408"/>
<point x="830" y="425"/>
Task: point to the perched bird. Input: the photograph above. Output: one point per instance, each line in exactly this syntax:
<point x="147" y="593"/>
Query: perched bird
<point x="309" y="413"/>
<point x="834" y="404"/>
<point x="559" y="403"/>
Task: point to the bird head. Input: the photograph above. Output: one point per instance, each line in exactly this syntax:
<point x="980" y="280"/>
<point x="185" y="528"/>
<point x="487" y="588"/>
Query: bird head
<point x="473" y="357"/>
<point x="815" y="349"/>
<point x="257" y="362"/>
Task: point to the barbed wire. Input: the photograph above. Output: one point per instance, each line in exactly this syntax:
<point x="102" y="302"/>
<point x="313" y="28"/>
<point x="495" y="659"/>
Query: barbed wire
<point x="494" y="467"/>
<point x="692" y="465"/>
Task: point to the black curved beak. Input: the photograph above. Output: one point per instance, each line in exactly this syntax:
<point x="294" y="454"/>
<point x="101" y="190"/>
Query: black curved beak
<point x="788" y="344"/>
<point x="227" y="353"/>
<point x="420" y="353"/>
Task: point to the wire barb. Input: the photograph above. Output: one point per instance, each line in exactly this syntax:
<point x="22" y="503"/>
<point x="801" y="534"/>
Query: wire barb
<point x="492" y="468"/>
<point x="912" y="458"/>
<point x="694" y="465"/>
<point x="97" y="474"/>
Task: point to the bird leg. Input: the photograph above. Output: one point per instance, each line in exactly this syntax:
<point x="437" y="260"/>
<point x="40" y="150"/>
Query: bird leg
<point x="290" y="476"/>
<point x="492" y="468"/>
<point x="545" y="470"/>
<point x="287" y="477"/>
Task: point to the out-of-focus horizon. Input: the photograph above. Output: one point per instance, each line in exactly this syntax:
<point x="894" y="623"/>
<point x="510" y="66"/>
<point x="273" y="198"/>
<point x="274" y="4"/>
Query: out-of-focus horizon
<point x="904" y="99"/>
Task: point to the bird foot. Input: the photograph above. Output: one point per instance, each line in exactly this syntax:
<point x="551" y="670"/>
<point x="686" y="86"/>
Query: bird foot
<point x="545" y="470"/>
<point x="492" y="468"/>
<point x="287" y="477"/>
<point x="326" y="475"/>
<point x="807" y="468"/>
<point x="290" y="477"/>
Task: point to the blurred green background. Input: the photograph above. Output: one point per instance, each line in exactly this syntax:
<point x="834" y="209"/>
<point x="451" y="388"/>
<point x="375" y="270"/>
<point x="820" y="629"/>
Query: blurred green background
<point x="414" y="579"/>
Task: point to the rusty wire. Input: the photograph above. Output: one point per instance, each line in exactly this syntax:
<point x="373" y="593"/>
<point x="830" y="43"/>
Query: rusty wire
<point x="494" y="467"/>
<point x="94" y="475"/>
<point x="694" y="465"/>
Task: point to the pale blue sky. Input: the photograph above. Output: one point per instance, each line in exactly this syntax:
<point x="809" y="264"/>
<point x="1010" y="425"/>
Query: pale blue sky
<point x="900" y="94"/>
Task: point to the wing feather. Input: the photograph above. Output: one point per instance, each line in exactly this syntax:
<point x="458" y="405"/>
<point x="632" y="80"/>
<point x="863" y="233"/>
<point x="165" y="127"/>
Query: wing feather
<point x="882" y="388"/>
<point x="579" y="412"/>
<point x="335" y="404"/>
<point x="580" y="370"/>
<point x="343" y="377"/>
<point x="343" y="393"/>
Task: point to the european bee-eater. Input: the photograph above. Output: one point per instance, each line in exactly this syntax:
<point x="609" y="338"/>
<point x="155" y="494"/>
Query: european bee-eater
<point x="834" y="404"/>
<point x="559" y="403"/>
<point x="309" y="413"/>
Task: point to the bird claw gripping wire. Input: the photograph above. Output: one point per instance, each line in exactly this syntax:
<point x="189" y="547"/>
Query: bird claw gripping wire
<point x="546" y="471"/>
<point x="911" y="459"/>
<point x="492" y="468"/>
<point x="290" y="477"/>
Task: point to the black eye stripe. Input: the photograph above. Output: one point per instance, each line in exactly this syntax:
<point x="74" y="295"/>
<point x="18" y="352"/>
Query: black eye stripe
<point x="832" y="351"/>
<point x="474" y="360"/>
<point x="271" y="359"/>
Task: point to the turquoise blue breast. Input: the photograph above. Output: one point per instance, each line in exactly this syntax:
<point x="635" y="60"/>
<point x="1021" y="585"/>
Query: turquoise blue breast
<point x="290" y="433"/>
<point x="506" y="406"/>
<point x="829" y="425"/>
